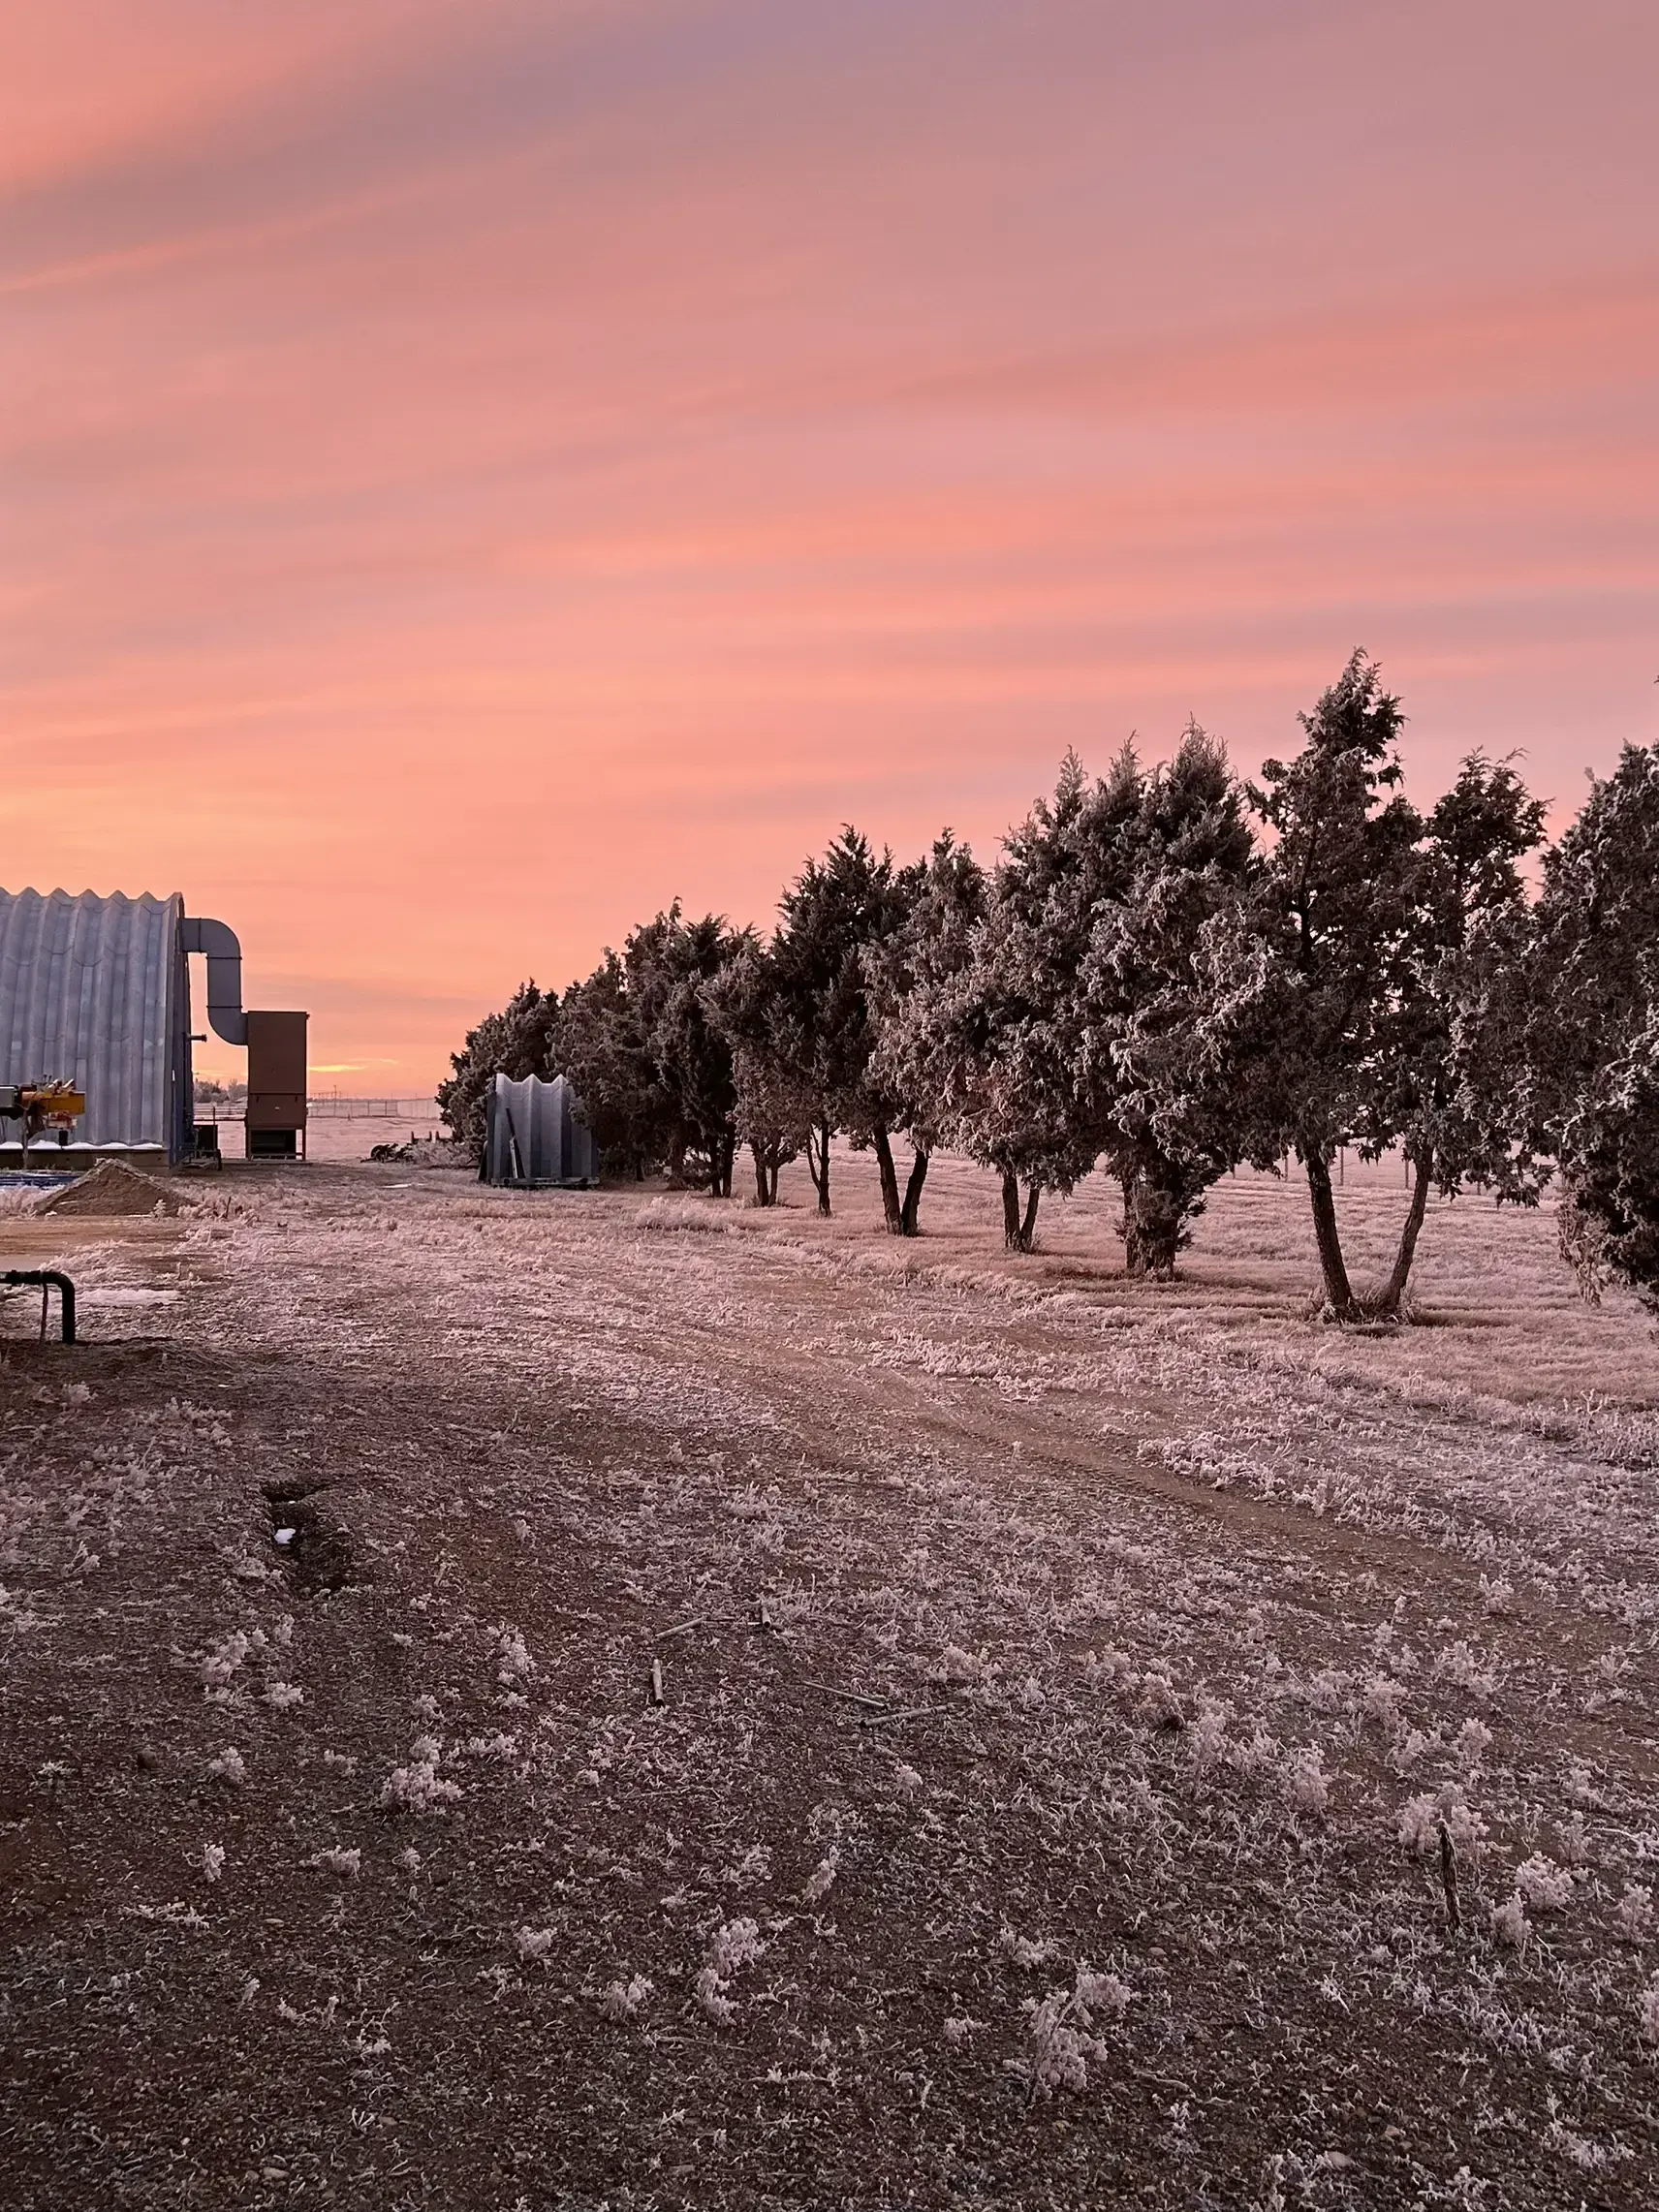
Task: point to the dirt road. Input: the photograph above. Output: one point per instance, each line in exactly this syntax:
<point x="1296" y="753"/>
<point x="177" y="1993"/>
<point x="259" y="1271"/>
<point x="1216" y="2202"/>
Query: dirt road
<point x="614" y="1700"/>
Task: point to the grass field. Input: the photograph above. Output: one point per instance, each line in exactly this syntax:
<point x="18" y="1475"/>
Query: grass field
<point x="747" y="1712"/>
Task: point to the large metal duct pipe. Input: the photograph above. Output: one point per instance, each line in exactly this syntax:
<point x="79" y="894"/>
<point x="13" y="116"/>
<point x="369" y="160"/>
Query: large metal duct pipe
<point x="224" y="974"/>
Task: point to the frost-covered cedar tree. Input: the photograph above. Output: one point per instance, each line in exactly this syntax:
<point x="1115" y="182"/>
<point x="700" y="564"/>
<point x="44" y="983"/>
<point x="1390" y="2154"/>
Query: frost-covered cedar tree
<point x="601" y="1046"/>
<point x="1430" y="1093"/>
<point x="774" y="1113"/>
<point x="948" y="898"/>
<point x="1593" y="1041"/>
<point x="516" y="1042"/>
<point x="1372" y="925"/>
<point x="997" y="1037"/>
<point x="1337" y="911"/>
<point x="1157" y="1062"/>
<point x="819" y="1034"/>
<point x="669" y="963"/>
<point x="653" y="1072"/>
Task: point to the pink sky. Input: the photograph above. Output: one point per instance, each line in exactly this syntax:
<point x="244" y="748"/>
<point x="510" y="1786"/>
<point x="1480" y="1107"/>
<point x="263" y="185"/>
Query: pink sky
<point x="471" y="470"/>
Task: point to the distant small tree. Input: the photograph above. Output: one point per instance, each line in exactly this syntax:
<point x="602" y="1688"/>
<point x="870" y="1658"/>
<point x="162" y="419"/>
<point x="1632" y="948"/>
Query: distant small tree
<point x="989" y="1027"/>
<point x="947" y="899"/>
<point x="820" y="1032"/>
<point x="652" y="1071"/>
<point x="1592" y="1056"/>
<point x="670" y="964"/>
<point x="775" y="1106"/>
<point x="515" y="1042"/>
<point x="599" y="1046"/>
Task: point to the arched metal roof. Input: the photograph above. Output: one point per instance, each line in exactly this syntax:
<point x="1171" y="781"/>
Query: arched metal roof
<point x="94" y="989"/>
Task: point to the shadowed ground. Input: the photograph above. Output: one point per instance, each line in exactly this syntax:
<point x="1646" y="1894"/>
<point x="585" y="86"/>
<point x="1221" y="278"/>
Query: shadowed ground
<point x="1065" y="1686"/>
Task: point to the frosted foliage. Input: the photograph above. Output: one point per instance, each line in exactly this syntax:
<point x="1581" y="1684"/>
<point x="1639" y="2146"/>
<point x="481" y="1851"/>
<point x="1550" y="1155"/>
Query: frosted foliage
<point x="733" y="1946"/>
<point x="1546" y="1887"/>
<point x="1509" y="1922"/>
<point x="1635" y="1913"/>
<point x="622" y="2000"/>
<point x="1059" y="2030"/>
<point x="1306" y="1784"/>
<point x="418" y="1788"/>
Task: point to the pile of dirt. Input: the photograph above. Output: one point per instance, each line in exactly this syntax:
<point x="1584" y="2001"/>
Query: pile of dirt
<point x="113" y="1187"/>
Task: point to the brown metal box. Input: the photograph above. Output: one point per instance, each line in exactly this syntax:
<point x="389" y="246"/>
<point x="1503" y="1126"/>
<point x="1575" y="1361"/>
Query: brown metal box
<point x="276" y="1071"/>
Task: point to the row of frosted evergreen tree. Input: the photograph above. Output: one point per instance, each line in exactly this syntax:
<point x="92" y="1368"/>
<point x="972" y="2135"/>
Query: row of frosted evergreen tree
<point x="1168" y="972"/>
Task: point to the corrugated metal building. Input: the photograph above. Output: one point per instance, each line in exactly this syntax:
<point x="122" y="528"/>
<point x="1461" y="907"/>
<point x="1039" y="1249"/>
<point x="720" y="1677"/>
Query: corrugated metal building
<point x="97" y="991"/>
<point x="535" y="1135"/>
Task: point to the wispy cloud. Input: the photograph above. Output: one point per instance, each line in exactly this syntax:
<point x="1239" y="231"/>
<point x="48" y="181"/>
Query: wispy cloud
<point x="472" y="471"/>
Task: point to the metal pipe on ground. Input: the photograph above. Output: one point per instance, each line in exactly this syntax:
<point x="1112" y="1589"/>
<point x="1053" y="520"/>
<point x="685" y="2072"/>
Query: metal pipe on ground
<point x="49" y="1278"/>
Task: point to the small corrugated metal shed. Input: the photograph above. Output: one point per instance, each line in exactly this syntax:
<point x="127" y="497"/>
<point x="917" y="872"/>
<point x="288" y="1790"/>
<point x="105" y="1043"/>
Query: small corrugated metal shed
<point x="535" y="1136"/>
<point x="96" y="990"/>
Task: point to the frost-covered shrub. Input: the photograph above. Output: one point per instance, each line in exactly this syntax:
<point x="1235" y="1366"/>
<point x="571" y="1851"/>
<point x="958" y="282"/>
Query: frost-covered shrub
<point x="1634" y="1913"/>
<point x="734" y="1946"/>
<point x="1158" y="1706"/>
<point x="1208" y="1735"/>
<point x="1509" y="1922"/>
<point x="1059" y="2030"/>
<point x="224" y="1658"/>
<point x="1421" y="1820"/>
<point x="1305" y="1782"/>
<point x="346" y="1862"/>
<point x="1025" y="1952"/>
<point x="1474" y="1741"/>
<point x="1458" y="1665"/>
<point x="212" y="1860"/>
<point x="284" y="1696"/>
<point x="418" y="1788"/>
<point x="534" y="1943"/>
<point x="958" y="1665"/>
<point x="1649" y="2012"/>
<point x="1420" y="1825"/>
<point x="227" y="1765"/>
<point x="820" y="1882"/>
<point x="623" y="1999"/>
<point x="1546" y="1887"/>
<point x="709" y="1992"/>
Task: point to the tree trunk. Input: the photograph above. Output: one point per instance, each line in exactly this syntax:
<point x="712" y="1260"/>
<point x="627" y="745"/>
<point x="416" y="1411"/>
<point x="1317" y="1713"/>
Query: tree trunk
<point x="1011" y="1212"/>
<point x="757" y="1153"/>
<point x="1018" y="1234"/>
<point x="1393" y="1290"/>
<point x="1152" y="1227"/>
<point x="818" y="1165"/>
<point x="892" y="1211"/>
<point x="913" y="1192"/>
<point x="677" y="1165"/>
<point x="1338" y="1291"/>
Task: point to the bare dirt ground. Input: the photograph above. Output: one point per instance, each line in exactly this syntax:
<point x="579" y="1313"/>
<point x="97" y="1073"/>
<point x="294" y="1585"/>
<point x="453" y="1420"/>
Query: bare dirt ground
<point x="1073" y="1699"/>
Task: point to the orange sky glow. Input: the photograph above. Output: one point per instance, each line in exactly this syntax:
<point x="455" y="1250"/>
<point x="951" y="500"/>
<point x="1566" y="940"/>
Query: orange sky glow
<point x="473" y="470"/>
